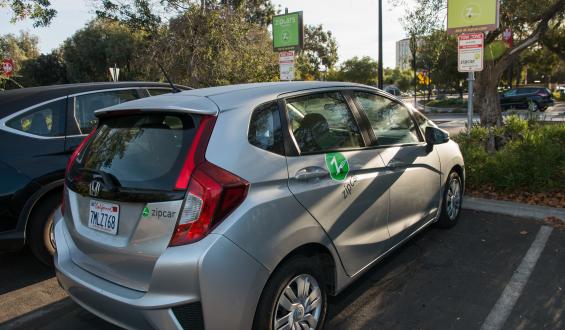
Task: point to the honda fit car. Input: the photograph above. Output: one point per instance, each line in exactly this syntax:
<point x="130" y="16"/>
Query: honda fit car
<point x="246" y="206"/>
<point x="40" y="127"/>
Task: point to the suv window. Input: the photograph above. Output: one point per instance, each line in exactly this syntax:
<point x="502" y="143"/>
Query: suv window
<point x="523" y="91"/>
<point x="46" y="120"/>
<point x="322" y="122"/>
<point x="390" y="120"/>
<point x="511" y="92"/>
<point x="265" y="128"/>
<point x="86" y="104"/>
<point x="137" y="151"/>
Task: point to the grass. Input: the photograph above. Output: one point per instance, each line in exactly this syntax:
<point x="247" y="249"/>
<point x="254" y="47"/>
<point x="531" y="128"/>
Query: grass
<point x="531" y="159"/>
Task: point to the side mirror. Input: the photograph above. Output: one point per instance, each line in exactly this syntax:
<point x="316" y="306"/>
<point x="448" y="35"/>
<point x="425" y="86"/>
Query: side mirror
<point x="436" y="135"/>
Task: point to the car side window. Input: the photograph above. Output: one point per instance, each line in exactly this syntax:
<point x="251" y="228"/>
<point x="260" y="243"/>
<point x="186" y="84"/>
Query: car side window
<point x="265" y="130"/>
<point x="422" y="121"/>
<point x="390" y="120"/>
<point x="322" y="122"/>
<point x="86" y="104"/>
<point x="45" y="120"/>
<point x="511" y="92"/>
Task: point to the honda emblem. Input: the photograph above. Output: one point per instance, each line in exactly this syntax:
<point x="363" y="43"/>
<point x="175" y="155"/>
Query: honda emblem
<point x="94" y="188"/>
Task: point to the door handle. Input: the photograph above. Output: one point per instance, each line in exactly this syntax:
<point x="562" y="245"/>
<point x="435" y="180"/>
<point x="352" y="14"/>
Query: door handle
<point x="395" y="163"/>
<point x="311" y="172"/>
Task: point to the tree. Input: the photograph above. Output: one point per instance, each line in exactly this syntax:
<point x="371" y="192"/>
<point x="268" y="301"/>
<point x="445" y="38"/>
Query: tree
<point x="20" y="48"/>
<point x="46" y="69"/>
<point x="218" y="48"/>
<point x="319" y="53"/>
<point x="360" y="70"/>
<point x="102" y="43"/>
<point x="401" y="79"/>
<point x="530" y="22"/>
<point x="39" y="11"/>
<point x="148" y="15"/>
<point x="438" y="55"/>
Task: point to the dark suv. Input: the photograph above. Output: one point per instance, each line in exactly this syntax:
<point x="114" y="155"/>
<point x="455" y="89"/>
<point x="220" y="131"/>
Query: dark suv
<point x="40" y="127"/>
<point x="532" y="98"/>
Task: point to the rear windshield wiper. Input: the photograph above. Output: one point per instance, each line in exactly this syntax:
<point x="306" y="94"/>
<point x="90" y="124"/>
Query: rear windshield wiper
<point x="109" y="179"/>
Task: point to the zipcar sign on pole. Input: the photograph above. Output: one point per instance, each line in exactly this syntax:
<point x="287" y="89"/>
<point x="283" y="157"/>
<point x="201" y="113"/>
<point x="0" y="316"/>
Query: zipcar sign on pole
<point x="465" y="16"/>
<point x="470" y="52"/>
<point x="288" y="32"/>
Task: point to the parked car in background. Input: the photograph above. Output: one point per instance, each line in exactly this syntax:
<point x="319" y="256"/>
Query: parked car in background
<point x="246" y="206"/>
<point x="532" y="98"/>
<point x="40" y="127"/>
<point x="393" y="90"/>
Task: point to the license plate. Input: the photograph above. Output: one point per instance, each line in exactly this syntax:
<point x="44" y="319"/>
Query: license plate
<point x="104" y="217"/>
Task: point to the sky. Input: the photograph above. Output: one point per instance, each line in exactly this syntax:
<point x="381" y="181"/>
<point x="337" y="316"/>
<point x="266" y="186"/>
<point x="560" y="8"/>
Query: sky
<point x="354" y="24"/>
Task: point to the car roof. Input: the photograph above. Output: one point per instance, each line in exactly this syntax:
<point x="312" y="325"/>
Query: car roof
<point x="17" y="99"/>
<point x="226" y="97"/>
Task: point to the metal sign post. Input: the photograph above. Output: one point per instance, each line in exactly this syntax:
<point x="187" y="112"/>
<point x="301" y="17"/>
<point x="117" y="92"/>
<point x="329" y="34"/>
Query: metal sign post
<point x="470" y="79"/>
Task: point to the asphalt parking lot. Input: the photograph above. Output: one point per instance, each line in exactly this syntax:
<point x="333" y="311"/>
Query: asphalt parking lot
<point x="441" y="279"/>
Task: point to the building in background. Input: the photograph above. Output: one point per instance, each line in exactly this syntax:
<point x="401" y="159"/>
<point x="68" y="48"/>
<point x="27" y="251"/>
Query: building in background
<point x="403" y="53"/>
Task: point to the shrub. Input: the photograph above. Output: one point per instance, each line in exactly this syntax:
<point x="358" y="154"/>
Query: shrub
<point x="533" y="159"/>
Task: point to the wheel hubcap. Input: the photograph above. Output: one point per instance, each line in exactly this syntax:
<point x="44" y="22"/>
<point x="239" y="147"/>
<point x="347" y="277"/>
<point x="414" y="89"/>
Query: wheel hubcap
<point x="49" y="234"/>
<point x="299" y="306"/>
<point x="453" y="198"/>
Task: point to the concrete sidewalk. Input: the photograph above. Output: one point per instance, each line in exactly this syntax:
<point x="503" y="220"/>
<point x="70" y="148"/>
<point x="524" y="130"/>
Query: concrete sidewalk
<point x="512" y="208"/>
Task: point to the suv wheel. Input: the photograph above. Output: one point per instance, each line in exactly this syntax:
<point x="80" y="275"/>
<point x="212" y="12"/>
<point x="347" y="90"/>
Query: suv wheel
<point x="41" y="240"/>
<point x="452" y="200"/>
<point x="294" y="298"/>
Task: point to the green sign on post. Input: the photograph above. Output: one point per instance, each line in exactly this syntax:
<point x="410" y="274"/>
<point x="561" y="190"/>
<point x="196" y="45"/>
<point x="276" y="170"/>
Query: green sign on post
<point x="464" y="16"/>
<point x="288" y="32"/>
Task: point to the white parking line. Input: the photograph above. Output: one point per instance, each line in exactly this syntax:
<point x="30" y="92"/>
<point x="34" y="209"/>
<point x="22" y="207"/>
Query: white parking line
<point x="501" y="310"/>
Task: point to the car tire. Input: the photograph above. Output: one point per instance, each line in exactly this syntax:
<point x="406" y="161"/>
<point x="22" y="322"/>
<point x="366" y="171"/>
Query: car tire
<point x="533" y="106"/>
<point x="41" y="241"/>
<point x="282" y="290"/>
<point x="452" y="201"/>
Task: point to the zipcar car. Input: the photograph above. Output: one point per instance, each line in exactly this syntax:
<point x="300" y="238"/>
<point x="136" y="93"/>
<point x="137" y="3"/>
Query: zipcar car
<point x="245" y="206"/>
<point x="39" y="129"/>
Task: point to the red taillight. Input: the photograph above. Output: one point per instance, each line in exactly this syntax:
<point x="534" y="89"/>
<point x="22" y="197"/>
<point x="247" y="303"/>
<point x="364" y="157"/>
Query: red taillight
<point x="78" y="150"/>
<point x="213" y="193"/>
<point x="196" y="152"/>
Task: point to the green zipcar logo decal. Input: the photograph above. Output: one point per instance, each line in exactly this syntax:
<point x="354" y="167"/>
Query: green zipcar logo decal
<point x="337" y="165"/>
<point x="145" y="211"/>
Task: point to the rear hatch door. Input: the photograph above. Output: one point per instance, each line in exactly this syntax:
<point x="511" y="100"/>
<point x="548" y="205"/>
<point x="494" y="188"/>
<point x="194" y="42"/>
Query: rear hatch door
<point x="121" y="206"/>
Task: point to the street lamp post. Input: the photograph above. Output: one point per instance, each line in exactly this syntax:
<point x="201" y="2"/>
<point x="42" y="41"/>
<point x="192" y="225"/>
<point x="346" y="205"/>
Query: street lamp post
<point x="380" y="44"/>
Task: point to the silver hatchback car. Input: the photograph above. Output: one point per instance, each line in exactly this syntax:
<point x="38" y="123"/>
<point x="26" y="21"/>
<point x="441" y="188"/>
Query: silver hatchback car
<point x="245" y="206"/>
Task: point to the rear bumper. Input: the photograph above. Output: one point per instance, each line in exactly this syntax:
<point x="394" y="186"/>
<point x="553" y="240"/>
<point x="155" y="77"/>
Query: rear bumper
<point x="220" y="277"/>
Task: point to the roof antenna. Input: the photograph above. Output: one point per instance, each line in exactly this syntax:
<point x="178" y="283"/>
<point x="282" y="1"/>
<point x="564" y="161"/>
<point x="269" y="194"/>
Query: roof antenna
<point x="173" y="87"/>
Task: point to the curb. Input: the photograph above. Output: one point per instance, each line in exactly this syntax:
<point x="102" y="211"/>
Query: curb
<point x="512" y="208"/>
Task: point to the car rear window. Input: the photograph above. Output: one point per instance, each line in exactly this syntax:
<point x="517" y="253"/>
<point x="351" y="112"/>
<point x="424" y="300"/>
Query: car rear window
<point x="137" y="151"/>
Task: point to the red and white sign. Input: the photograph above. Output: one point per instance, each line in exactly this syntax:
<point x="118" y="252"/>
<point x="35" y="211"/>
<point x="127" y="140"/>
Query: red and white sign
<point x="8" y="67"/>
<point x="470" y="49"/>
<point x="286" y="65"/>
